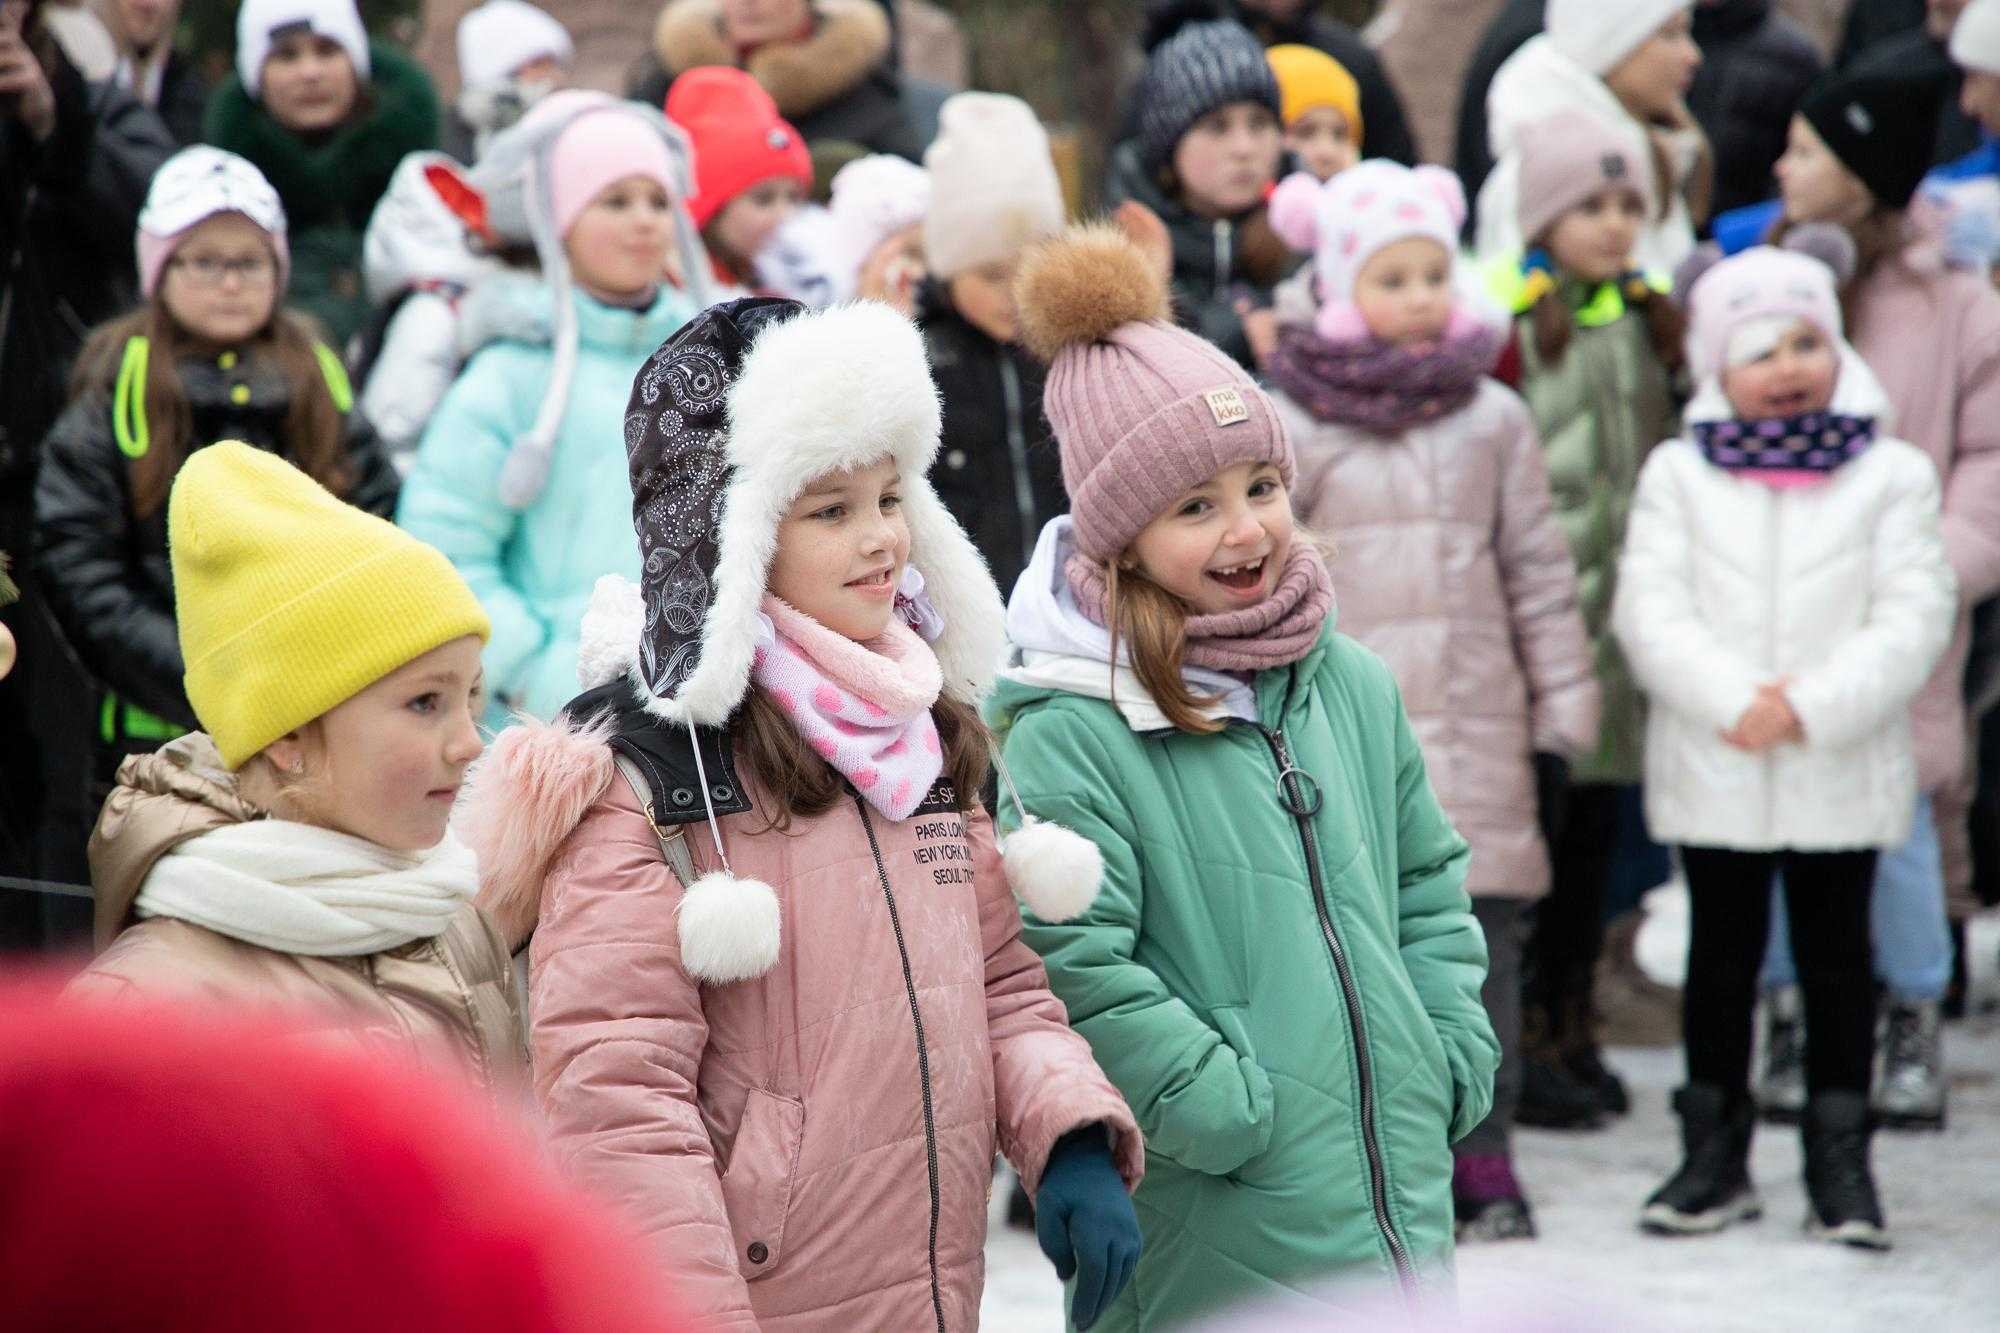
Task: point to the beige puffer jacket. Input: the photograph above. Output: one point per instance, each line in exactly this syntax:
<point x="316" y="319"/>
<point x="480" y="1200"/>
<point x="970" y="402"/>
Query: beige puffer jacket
<point x="450" y="1001"/>
<point x="1451" y="566"/>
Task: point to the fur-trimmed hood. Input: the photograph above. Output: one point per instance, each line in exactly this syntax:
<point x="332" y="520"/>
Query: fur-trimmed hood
<point x="849" y="42"/>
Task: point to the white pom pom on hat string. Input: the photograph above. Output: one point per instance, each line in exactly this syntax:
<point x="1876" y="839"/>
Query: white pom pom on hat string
<point x="1054" y="871"/>
<point x="729" y="928"/>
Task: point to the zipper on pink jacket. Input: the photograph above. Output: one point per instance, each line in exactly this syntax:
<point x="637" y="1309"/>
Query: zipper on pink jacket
<point x="923" y="1055"/>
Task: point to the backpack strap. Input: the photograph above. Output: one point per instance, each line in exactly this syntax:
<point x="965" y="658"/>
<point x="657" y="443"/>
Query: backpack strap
<point x="673" y="845"/>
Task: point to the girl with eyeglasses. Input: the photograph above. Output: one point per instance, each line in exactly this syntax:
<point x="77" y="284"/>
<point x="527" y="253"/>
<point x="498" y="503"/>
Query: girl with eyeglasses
<point x="212" y="355"/>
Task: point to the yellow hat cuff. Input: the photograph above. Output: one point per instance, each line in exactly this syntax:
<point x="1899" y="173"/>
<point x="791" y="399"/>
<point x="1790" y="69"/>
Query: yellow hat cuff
<point x="304" y="657"/>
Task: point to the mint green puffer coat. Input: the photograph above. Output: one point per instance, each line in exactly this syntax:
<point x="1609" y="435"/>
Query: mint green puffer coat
<point x="1290" y="1004"/>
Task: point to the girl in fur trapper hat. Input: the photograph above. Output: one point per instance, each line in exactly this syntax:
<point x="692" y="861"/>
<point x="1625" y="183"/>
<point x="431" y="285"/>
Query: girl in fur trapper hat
<point x="1281" y="969"/>
<point x="777" y="977"/>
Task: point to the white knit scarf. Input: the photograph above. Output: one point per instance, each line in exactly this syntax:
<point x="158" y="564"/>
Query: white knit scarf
<point x="298" y="888"/>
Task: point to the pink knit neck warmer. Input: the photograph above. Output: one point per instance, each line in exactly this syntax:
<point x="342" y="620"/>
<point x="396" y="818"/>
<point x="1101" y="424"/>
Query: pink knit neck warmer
<point x="1276" y="632"/>
<point x="865" y="707"/>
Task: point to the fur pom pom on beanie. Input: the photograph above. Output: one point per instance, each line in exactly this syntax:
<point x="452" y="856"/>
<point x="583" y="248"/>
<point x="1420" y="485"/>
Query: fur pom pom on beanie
<point x="1143" y="411"/>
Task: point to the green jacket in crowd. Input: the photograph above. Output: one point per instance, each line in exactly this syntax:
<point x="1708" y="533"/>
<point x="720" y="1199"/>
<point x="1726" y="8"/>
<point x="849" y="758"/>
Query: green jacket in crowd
<point x="1600" y="410"/>
<point x="1290" y="1005"/>
<point x="330" y="184"/>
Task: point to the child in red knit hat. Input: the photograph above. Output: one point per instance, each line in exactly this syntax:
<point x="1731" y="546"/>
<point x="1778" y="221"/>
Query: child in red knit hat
<point x="751" y="168"/>
<point x="216" y="1175"/>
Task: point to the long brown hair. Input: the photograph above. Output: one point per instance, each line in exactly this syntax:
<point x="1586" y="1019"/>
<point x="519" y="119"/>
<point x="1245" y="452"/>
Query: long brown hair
<point x="311" y="435"/>
<point x="803" y="785"/>
<point x="1154" y="622"/>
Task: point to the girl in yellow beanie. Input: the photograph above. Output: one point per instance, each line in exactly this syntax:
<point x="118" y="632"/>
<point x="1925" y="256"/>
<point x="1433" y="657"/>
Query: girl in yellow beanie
<point x="295" y="855"/>
<point x="1319" y="107"/>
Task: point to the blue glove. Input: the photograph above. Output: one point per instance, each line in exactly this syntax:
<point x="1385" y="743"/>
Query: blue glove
<point x="1085" y="1223"/>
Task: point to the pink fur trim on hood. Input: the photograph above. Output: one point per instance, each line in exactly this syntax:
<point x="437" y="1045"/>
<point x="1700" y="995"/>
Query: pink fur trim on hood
<point x="523" y="799"/>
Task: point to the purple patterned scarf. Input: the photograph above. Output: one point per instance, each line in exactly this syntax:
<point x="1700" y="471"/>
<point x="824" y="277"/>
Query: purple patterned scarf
<point x="1377" y="386"/>
<point x="1784" y="451"/>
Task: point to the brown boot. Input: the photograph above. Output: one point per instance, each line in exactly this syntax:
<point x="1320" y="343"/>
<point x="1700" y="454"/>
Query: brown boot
<point x="1632" y="1008"/>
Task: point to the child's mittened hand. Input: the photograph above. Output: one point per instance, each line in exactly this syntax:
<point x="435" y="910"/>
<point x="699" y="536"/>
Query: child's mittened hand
<point x="1084" y="1222"/>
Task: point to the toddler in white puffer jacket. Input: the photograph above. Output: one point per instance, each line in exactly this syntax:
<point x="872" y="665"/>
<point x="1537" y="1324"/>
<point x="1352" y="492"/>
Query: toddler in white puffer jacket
<point x="1783" y="595"/>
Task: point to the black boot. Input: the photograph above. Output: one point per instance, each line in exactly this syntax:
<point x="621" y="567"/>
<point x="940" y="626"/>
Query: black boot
<point x="1712" y="1189"/>
<point x="1838" y="1181"/>
<point x="1576" y="1037"/>
<point x="1551" y="1097"/>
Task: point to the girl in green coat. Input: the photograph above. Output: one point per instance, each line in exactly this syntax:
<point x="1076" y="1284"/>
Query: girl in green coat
<point x="1280" y="969"/>
<point x="1595" y="344"/>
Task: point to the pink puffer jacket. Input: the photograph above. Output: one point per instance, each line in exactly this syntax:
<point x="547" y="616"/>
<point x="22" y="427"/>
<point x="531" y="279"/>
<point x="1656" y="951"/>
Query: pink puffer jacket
<point x="1451" y="566"/>
<point x="813" y="1148"/>
<point x="1933" y="339"/>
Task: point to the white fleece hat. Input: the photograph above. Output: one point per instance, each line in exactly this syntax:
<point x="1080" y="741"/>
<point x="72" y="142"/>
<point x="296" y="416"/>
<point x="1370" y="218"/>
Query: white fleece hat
<point x="500" y="36"/>
<point x="1975" y="38"/>
<point x="1597" y="34"/>
<point x="259" y="22"/>
<point x="993" y="184"/>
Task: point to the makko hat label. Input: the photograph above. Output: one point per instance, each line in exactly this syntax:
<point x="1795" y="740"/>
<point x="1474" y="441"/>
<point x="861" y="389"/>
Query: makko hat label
<point x="1226" y="405"/>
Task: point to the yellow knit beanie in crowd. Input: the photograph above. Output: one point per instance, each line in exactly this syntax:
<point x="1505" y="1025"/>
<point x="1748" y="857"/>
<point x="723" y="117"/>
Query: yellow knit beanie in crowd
<point x="291" y="601"/>
<point x="1307" y="78"/>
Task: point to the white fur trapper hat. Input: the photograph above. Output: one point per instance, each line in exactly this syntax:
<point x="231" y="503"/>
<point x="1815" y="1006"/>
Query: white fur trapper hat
<point x="728" y="422"/>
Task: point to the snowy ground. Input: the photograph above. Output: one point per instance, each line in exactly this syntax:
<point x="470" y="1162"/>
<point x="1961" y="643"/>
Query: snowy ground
<point x="1941" y="1193"/>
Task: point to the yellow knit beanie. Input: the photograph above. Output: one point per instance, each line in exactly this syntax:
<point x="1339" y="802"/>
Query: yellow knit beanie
<point x="1307" y="78"/>
<point x="290" y="601"/>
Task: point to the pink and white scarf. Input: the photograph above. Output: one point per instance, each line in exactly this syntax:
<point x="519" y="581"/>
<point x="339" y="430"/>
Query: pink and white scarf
<point x="865" y="707"/>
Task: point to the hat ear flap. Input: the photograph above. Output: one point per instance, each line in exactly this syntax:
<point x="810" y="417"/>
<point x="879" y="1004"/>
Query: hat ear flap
<point x="1294" y="211"/>
<point x="1445" y="185"/>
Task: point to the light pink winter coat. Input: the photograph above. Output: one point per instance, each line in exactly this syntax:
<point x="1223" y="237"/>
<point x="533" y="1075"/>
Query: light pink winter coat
<point x="771" y="1136"/>
<point x="1450" y="565"/>
<point x="1933" y="339"/>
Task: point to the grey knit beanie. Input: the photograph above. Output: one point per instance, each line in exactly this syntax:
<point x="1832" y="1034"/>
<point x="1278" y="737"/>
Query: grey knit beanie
<point x="1199" y="68"/>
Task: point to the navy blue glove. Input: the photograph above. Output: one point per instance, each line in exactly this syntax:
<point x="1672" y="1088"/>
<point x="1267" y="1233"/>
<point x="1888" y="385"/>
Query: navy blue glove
<point x="1085" y="1223"/>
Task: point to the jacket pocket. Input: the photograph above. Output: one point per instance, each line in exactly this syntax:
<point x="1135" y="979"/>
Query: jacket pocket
<point x="1229" y="1021"/>
<point x="757" y="1186"/>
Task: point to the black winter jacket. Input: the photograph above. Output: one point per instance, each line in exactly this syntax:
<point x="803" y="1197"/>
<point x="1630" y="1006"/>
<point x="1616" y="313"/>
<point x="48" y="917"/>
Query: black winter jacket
<point x="68" y="209"/>
<point x="108" y="577"/>
<point x="1755" y="67"/>
<point x="998" y="469"/>
<point x="1213" y="267"/>
<point x="1509" y="31"/>
<point x="183" y="98"/>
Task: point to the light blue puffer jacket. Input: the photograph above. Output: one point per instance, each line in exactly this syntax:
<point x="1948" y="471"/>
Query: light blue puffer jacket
<point x="533" y="568"/>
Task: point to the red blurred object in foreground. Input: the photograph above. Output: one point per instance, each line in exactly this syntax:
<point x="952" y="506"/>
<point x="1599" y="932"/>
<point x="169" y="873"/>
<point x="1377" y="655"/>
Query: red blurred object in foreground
<point x="166" y="1171"/>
